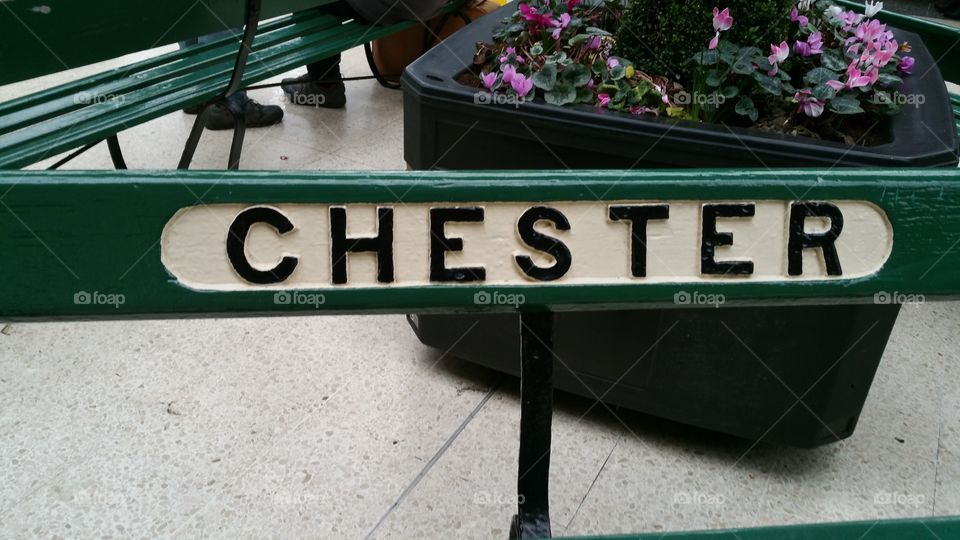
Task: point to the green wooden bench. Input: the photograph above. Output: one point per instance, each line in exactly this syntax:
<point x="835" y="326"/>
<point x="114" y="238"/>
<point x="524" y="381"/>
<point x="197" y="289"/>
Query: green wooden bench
<point x="125" y="244"/>
<point x="93" y="109"/>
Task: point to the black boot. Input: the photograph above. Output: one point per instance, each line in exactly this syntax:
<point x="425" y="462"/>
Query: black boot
<point x="255" y="116"/>
<point x="303" y="91"/>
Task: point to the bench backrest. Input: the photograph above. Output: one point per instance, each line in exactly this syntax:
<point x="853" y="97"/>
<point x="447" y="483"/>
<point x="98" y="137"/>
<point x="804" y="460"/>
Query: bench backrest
<point x="122" y="244"/>
<point x="55" y="35"/>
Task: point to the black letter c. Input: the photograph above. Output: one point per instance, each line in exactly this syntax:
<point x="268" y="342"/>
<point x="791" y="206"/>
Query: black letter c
<point x="237" y="240"/>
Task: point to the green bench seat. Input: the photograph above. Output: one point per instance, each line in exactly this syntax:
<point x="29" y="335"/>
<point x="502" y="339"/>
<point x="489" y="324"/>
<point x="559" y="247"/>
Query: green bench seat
<point x="89" y="110"/>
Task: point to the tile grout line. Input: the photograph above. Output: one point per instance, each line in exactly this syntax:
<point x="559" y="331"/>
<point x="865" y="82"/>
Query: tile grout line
<point x="436" y="456"/>
<point x="593" y="483"/>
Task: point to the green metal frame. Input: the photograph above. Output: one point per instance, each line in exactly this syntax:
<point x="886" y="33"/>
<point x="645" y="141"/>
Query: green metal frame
<point x="71" y="231"/>
<point x="898" y="529"/>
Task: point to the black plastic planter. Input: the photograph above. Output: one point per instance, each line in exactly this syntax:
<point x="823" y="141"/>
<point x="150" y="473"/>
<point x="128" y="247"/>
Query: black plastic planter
<point x="737" y="370"/>
<point x="439" y="113"/>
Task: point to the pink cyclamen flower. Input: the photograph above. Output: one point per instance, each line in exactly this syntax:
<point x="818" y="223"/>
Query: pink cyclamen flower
<point x="810" y="105"/>
<point x="594" y="43"/>
<point x="779" y="53"/>
<point x="906" y="64"/>
<point x="612" y="62"/>
<point x="836" y="85"/>
<point x="640" y="109"/>
<point x="572" y="4"/>
<point x="560" y="25"/>
<point x="797" y="18"/>
<point x="715" y="42"/>
<point x="489" y="79"/>
<point x="511" y="51"/>
<point x="849" y="18"/>
<point x="859" y="79"/>
<point x="604" y="99"/>
<point x="509" y="72"/>
<point x="722" y="21"/>
<point x="530" y="15"/>
<point x="521" y="85"/>
<point x="811" y="47"/>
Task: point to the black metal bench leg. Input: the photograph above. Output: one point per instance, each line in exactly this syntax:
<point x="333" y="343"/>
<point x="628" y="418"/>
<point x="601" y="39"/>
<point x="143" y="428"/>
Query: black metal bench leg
<point x="191" y="147"/>
<point x="536" y="416"/>
<point x="252" y="21"/>
<point x="239" y="130"/>
<point x="116" y="154"/>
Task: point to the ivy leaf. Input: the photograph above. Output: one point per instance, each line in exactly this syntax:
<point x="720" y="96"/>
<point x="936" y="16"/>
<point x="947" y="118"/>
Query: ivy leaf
<point x="546" y="77"/>
<point x="746" y="107"/>
<point x="846" y="105"/>
<point x="832" y="60"/>
<point x="563" y="93"/>
<point x="577" y="74"/>
<point x="820" y="75"/>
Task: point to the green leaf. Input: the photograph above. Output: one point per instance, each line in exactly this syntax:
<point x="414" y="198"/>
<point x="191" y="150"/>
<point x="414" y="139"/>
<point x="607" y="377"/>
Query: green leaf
<point x="707" y="58"/>
<point x="846" y="105"/>
<point x="584" y="95"/>
<point x="772" y="85"/>
<point x="728" y="48"/>
<point x="714" y="78"/>
<point x="748" y="53"/>
<point x="594" y="31"/>
<point x="537" y="49"/>
<point x="743" y="67"/>
<point x="598" y="66"/>
<point x="824" y="92"/>
<point x="617" y="73"/>
<point x="730" y="92"/>
<point x="820" y="75"/>
<point x="746" y="107"/>
<point x="546" y="77"/>
<point x="889" y="79"/>
<point x="563" y="93"/>
<point x="832" y="60"/>
<point x="577" y="74"/>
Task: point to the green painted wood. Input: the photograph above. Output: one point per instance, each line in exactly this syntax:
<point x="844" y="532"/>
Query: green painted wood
<point x="942" y="40"/>
<point x="46" y="37"/>
<point x="939" y="528"/>
<point x="66" y="232"/>
<point x="43" y="125"/>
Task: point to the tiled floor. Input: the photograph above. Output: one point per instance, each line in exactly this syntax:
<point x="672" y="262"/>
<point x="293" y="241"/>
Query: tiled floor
<point x="331" y="427"/>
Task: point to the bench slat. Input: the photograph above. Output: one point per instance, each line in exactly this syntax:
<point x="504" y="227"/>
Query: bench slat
<point x="43" y="38"/>
<point x="120" y="82"/>
<point x="100" y="119"/>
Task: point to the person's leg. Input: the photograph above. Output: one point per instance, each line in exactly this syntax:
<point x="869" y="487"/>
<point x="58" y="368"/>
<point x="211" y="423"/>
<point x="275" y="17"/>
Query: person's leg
<point x="255" y="114"/>
<point x="331" y="94"/>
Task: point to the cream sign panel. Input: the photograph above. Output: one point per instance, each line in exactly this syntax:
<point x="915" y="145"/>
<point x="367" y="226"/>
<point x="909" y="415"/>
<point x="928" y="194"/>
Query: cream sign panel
<point x="315" y="246"/>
